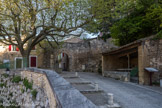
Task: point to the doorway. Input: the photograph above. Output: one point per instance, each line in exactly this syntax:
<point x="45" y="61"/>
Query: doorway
<point x="33" y="61"/>
<point x="18" y="62"/>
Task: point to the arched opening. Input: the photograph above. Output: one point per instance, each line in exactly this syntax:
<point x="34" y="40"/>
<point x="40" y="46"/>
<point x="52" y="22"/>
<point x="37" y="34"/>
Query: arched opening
<point x="63" y="61"/>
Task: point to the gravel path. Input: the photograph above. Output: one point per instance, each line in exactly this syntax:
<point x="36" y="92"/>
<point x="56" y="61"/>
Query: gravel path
<point x="128" y="95"/>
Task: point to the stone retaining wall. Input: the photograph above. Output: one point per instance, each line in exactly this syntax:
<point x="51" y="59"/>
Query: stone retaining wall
<point x="123" y="76"/>
<point x="60" y="92"/>
<point x="41" y="80"/>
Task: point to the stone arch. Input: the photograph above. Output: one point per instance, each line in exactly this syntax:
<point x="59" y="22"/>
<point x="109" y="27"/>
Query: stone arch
<point x="69" y="59"/>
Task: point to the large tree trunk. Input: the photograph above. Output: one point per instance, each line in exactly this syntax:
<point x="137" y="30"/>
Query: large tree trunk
<point x="25" y="56"/>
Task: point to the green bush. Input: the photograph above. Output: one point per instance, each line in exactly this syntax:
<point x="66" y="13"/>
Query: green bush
<point x="134" y="72"/>
<point x="156" y="83"/>
<point x="3" y="84"/>
<point x="1" y="102"/>
<point x="16" y="79"/>
<point x="5" y="75"/>
<point x="10" y="94"/>
<point x="22" y="90"/>
<point x="27" y="84"/>
<point x="34" y="93"/>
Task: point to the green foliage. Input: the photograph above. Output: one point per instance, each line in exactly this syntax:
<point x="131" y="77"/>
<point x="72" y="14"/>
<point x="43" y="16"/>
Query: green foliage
<point x="27" y="84"/>
<point x="16" y="79"/>
<point x="156" y="83"/>
<point x="1" y="102"/>
<point x="11" y="94"/>
<point x="103" y="14"/>
<point x="34" y="93"/>
<point x="5" y="75"/>
<point x="1" y="84"/>
<point x="22" y="90"/>
<point x="134" y="72"/>
<point x="28" y="22"/>
<point x="126" y="20"/>
<point x="13" y="104"/>
<point x="143" y="21"/>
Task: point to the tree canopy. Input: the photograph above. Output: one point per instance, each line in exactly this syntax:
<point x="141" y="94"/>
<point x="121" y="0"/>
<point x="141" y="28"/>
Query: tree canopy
<point x="145" y="20"/>
<point x="25" y="23"/>
<point x="127" y="20"/>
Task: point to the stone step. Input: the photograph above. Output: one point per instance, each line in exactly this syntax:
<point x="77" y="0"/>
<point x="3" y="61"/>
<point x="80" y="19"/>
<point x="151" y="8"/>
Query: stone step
<point x="80" y="83"/>
<point x="69" y="77"/>
<point x="91" y="91"/>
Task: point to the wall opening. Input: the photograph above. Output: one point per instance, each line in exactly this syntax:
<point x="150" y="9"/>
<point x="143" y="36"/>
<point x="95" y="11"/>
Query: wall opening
<point x="63" y="60"/>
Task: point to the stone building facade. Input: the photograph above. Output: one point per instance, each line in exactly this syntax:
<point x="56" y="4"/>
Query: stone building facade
<point x="139" y="54"/>
<point x="82" y="55"/>
<point x="85" y="55"/>
<point x="11" y="56"/>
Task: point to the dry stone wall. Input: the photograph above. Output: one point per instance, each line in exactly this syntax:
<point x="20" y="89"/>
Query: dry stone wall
<point x="41" y="80"/>
<point x="14" y="93"/>
<point x="82" y="56"/>
<point x="86" y="55"/>
<point x="60" y="93"/>
<point x="154" y="54"/>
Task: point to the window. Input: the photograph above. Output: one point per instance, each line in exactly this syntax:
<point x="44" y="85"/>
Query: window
<point x="13" y="48"/>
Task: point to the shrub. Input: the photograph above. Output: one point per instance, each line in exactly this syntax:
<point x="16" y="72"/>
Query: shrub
<point x="5" y="75"/>
<point x="3" y="84"/>
<point x="16" y="79"/>
<point x="10" y="94"/>
<point x="27" y="84"/>
<point x="22" y="90"/>
<point x="34" y="93"/>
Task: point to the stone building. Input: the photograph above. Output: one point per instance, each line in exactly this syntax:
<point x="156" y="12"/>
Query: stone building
<point x="10" y="57"/>
<point x="78" y="55"/>
<point x="84" y="55"/>
<point x="143" y="53"/>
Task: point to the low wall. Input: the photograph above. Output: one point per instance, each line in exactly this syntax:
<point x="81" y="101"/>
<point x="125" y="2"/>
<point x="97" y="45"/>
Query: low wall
<point x="60" y="92"/>
<point x="123" y="76"/>
<point x="40" y="79"/>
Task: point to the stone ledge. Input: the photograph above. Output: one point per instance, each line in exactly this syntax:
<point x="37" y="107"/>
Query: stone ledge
<point x="123" y="76"/>
<point x="66" y="95"/>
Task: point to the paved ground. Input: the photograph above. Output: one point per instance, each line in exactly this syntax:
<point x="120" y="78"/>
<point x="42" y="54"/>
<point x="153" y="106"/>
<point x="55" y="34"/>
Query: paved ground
<point x="128" y="95"/>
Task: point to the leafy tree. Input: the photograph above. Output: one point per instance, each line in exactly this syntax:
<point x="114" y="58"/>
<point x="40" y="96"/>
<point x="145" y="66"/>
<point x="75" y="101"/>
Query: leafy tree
<point x="102" y="11"/>
<point x="126" y="20"/>
<point x="145" y="20"/>
<point x="107" y="12"/>
<point x="25" y="23"/>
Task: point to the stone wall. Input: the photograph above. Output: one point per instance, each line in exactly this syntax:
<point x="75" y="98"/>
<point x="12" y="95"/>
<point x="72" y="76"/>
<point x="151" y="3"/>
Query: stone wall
<point x="60" y="92"/>
<point x="150" y="55"/>
<point x="41" y="80"/>
<point x="85" y="55"/>
<point x="123" y="76"/>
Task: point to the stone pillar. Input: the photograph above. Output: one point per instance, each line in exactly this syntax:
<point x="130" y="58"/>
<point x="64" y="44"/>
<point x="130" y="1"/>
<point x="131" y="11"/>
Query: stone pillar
<point x="143" y="63"/>
<point x="96" y="87"/>
<point x="76" y="74"/>
<point x="110" y="99"/>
